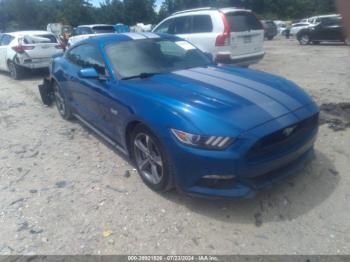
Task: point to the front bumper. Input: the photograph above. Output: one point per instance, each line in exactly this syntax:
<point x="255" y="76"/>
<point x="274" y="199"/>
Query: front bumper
<point x="250" y="174"/>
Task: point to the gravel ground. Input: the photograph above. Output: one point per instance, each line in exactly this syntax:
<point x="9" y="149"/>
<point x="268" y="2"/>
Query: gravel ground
<point x="63" y="191"/>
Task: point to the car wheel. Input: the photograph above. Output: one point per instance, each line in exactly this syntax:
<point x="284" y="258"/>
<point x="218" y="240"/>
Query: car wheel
<point x="16" y="72"/>
<point x="270" y="38"/>
<point x="347" y="41"/>
<point x="61" y="102"/>
<point x="151" y="160"/>
<point x="304" y="39"/>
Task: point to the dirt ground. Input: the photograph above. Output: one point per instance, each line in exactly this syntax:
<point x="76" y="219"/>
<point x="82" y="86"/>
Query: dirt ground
<point x="63" y="191"/>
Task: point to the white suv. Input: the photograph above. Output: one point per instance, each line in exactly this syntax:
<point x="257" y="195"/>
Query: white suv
<point x="231" y="35"/>
<point x="27" y="49"/>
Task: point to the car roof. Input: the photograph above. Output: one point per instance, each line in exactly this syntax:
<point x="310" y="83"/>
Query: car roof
<point x="22" y="33"/>
<point x="106" y="38"/>
<point x="91" y="26"/>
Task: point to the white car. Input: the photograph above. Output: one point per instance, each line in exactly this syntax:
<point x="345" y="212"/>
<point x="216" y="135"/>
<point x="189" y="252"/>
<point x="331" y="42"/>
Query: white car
<point x="230" y="35"/>
<point x="297" y="27"/>
<point x="86" y="31"/>
<point x="27" y="49"/>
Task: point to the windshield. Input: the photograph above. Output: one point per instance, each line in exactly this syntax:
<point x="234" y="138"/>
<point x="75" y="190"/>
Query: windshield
<point x="153" y="56"/>
<point x="103" y="29"/>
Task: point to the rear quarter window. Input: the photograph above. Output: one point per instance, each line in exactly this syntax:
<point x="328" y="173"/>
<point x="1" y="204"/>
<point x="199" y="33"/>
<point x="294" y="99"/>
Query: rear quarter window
<point x="202" y="24"/>
<point x="243" y="21"/>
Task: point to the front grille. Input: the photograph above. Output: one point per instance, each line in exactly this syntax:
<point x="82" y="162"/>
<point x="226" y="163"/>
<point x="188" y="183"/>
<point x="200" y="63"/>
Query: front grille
<point x="281" y="140"/>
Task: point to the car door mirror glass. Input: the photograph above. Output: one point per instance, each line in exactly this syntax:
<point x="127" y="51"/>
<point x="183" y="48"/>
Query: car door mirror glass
<point x="89" y="73"/>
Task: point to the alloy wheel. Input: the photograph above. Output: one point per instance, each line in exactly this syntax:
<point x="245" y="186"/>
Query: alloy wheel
<point x="59" y="101"/>
<point x="148" y="158"/>
<point x="304" y="39"/>
<point x="347" y="41"/>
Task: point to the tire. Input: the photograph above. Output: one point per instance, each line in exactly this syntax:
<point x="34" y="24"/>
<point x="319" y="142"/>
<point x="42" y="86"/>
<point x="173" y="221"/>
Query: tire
<point x="304" y="39"/>
<point x="62" y="103"/>
<point x="151" y="160"/>
<point x="270" y="38"/>
<point x="347" y="41"/>
<point x="16" y="72"/>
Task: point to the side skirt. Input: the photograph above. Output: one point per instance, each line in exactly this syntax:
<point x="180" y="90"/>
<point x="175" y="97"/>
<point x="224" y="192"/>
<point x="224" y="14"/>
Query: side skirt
<point x="99" y="133"/>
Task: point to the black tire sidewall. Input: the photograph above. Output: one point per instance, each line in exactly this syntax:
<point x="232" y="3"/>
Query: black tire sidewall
<point x="15" y="71"/>
<point x="166" y="182"/>
<point x="300" y="39"/>
<point x="67" y="114"/>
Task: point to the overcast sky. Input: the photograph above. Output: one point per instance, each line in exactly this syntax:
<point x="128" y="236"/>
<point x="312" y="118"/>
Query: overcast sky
<point x="97" y="2"/>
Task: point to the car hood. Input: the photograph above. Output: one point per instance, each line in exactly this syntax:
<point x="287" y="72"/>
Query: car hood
<point x="225" y="96"/>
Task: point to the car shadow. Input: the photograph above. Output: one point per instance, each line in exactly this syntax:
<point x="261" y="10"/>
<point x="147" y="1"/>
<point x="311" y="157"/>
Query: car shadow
<point x="29" y="75"/>
<point x="288" y="200"/>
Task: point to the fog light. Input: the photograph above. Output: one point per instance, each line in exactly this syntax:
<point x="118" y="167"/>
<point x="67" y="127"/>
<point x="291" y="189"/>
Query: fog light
<point x="219" y="177"/>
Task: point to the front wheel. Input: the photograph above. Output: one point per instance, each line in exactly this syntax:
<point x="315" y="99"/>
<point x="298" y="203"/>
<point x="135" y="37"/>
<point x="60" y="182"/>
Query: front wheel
<point x="151" y="159"/>
<point x="347" y="41"/>
<point x="61" y="102"/>
<point x="304" y="39"/>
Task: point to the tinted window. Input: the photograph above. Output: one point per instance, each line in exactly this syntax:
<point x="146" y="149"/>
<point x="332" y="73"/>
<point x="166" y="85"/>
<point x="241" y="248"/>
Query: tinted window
<point x="131" y="58"/>
<point x="6" y="40"/>
<point x="103" y="29"/>
<point x="331" y="21"/>
<point x="87" y="56"/>
<point x="243" y="21"/>
<point x="180" y="25"/>
<point x="39" y="39"/>
<point x="202" y="24"/>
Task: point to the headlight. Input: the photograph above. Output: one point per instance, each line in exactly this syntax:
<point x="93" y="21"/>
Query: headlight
<point x="209" y="142"/>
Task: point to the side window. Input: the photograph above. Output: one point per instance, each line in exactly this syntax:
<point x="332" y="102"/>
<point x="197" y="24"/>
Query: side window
<point x="85" y="31"/>
<point x="87" y="56"/>
<point x="202" y="24"/>
<point x="164" y="27"/>
<point x="181" y="25"/>
<point x="6" y="40"/>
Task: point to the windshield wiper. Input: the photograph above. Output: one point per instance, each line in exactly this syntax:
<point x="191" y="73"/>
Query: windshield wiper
<point x="142" y="76"/>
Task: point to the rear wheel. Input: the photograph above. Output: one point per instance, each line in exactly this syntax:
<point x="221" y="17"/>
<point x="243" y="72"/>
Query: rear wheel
<point x="16" y="72"/>
<point x="270" y="38"/>
<point x="151" y="159"/>
<point x="61" y="102"/>
<point x="304" y="39"/>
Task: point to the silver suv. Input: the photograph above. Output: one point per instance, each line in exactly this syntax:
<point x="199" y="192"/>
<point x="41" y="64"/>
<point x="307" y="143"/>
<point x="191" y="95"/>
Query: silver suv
<point x="231" y="35"/>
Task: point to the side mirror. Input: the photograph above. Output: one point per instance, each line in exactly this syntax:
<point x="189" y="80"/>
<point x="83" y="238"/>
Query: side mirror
<point x="88" y="73"/>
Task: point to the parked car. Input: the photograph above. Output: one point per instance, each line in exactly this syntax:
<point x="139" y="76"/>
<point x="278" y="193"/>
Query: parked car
<point x="318" y="19"/>
<point x="297" y="27"/>
<point x="270" y="29"/>
<point x="230" y="35"/>
<point x="329" y="29"/>
<point x="281" y="27"/>
<point x="27" y="50"/>
<point x="85" y="31"/>
<point x="186" y="122"/>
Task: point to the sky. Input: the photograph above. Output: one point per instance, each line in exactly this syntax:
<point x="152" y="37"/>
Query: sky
<point x="97" y="2"/>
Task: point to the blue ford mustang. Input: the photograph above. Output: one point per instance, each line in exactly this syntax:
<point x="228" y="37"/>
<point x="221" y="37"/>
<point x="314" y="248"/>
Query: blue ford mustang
<point x="205" y="129"/>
